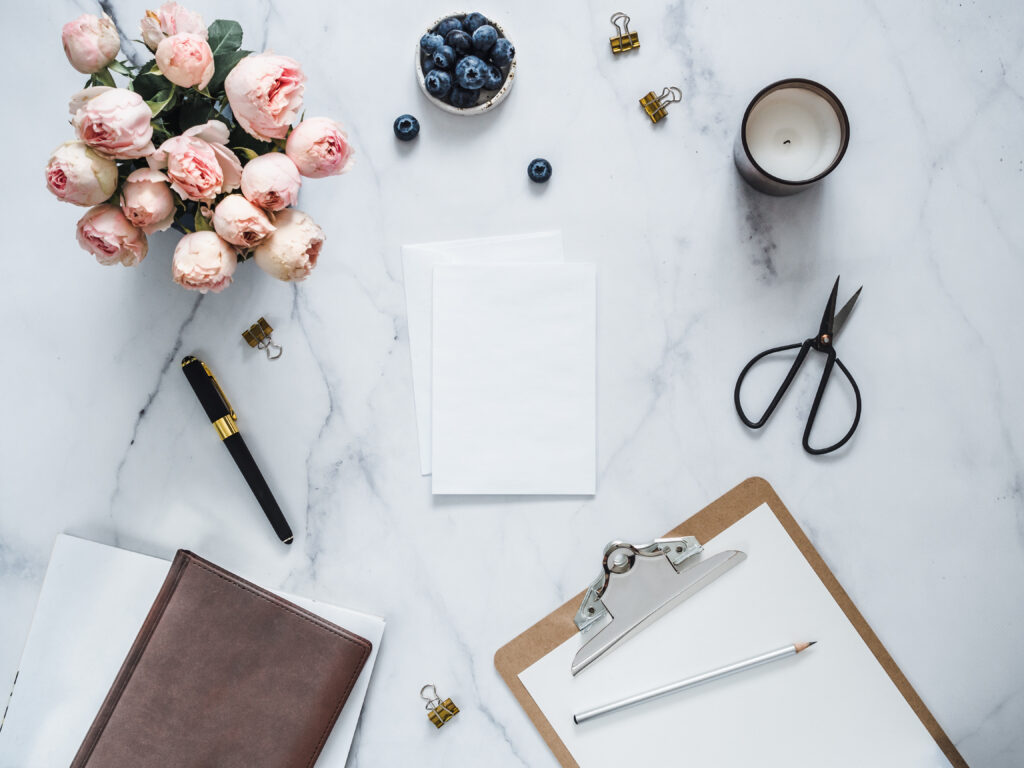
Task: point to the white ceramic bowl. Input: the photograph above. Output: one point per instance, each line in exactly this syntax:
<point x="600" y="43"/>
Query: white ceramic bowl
<point x="488" y="99"/>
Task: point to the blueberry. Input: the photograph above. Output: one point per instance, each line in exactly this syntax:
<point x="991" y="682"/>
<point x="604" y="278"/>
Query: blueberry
<point x="469" y="73"/>
<point x="459" y="40"/>
<point x="473" y="21"/>
<point x="406" y="127"/>
<point x="539" y="170"/>
<point x="428" y="64"/>
<point x="431" y="42"/>
<point x="484" y="37"/>
<point x="448" y="25"/>
<point x="493" y="77"/>
<point x="444" y="57"/>
<point x="438" y="83"/>
<point x="462" y="97"/>
<point x="502" y="53"/>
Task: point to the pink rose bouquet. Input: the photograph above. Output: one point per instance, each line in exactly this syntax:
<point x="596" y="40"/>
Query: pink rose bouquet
<point x="205" y="138"/>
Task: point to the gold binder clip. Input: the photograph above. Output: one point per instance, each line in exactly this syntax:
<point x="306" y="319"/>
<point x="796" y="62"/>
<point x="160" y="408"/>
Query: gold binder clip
<point x="439" y="712"/>
<point x="656" y="106"/>
<point x="624" y="40"/>
<point x="258" y="337"/>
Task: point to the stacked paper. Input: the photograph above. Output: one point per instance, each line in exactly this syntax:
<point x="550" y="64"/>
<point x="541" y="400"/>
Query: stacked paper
<point x="502" y="334"/>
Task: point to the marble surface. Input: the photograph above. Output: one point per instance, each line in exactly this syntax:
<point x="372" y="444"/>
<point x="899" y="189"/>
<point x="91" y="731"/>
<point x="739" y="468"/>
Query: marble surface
<point x="921" y="517"/>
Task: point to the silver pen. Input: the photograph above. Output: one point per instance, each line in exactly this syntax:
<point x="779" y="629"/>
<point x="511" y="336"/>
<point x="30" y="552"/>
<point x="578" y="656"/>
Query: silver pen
<point x="690" y="682"/>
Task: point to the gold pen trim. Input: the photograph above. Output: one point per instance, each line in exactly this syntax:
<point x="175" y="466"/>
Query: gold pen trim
<point x="226" y="426"/>
<point x="231" y="411"/>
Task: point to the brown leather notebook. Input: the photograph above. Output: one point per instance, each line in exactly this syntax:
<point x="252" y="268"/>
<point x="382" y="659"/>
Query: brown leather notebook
<point x="224" y="673"/>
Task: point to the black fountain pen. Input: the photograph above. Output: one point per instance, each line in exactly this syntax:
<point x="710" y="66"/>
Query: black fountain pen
<point x="224" y="419"/>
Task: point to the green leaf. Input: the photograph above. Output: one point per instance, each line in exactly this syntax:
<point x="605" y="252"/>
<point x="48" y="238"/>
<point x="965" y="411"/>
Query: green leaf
<point x="225" y="36"/>
<point x="223" y="63"/>
<point x="149" y="85"/>
<point x="163" y="100"/>
<point x="202" y="223"/>
<point x="195" y="110"/>
<point x="120" y="68"/>
<point x="245" y="152"/>
<point x="103" y="77"/>
<point x="149" y="66"/>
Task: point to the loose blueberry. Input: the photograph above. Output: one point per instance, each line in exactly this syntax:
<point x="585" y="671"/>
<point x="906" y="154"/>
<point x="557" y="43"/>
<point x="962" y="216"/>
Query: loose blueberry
<point x="502" y="52"/>
<point x="431" y="42"/>
<point x="438" y="83"/>
<point x="459" y="40"/>
<point x="406" y="127"/>
<point x="448" y="25"/>
<point x="539" y="170"/>
<point x="462" y="97"/>
<point x="473" y="21"/>
<point x="444" y="57"/>
<point x="493" y="77"/>
<point x="469" y="73"/>
<point x="484" y="38"/>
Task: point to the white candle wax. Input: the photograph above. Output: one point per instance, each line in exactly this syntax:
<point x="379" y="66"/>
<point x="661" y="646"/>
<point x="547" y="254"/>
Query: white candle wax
<point x="794" y="133"/>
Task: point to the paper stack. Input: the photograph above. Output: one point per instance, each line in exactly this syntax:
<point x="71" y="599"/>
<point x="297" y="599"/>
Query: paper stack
<point x="502" y="333"/>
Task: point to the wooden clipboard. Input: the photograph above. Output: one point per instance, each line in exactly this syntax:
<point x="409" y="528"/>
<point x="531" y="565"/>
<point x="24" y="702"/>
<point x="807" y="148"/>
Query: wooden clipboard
<point x="557" y="627"/>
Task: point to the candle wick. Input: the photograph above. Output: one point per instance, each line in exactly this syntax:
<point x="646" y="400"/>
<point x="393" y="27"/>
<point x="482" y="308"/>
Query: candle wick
<point x="786" y="141"/>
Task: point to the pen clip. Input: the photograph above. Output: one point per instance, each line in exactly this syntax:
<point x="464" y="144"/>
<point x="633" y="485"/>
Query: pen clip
<point x="216" y="384"/>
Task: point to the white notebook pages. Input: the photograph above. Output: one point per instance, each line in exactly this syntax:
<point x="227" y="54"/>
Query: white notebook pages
<point x="515" y="379"/>
<point x="832" y="705"/>
<point x="418" y="262"/>
<point x="92" y="604"/>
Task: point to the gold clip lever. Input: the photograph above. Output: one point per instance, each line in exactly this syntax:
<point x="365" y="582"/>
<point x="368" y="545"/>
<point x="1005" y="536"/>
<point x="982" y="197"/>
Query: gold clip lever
<point x="439" y="712"/>
<point x="656" y="106"/>
<point x="257" y="336"/>
<point x="624" y="40"/>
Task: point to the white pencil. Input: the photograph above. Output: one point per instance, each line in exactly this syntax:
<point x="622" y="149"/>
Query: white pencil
<point x="690" y="682"/>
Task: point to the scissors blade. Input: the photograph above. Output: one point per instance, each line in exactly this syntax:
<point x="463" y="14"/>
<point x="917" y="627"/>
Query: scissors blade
<point x="828" y="318"/>
<point x="844" y="313"/>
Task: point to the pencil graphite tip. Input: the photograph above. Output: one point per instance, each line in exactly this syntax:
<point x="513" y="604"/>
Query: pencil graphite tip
<point x="804" y="646"/>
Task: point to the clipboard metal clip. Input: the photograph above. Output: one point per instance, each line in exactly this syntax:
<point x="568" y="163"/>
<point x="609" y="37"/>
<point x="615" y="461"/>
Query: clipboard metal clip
<point x="640" y="583"/>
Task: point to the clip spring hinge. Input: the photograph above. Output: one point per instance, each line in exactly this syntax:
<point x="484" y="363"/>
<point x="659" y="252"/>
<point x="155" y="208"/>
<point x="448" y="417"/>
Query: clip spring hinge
<point x="258" y="337"/>
<point x="624" y="40"/>
<point x="656" y="106"/>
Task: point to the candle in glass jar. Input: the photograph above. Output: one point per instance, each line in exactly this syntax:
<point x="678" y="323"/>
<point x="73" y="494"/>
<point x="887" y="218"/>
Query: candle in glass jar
<point x="793" y="134"/>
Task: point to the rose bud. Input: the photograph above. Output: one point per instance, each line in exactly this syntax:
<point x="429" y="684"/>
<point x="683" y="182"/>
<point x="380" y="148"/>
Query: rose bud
<point x="291" y="252"/>
<point x="186" y="60"/>
<point x="203" y="262"/>
<point x="146" y="200"/>
<point x="77" y="174"/>
<point x="271" y="181"/>
<point x="319" y="148"/>
<point x="240" y="222"/>
<point x="113" y="121"/>
<point x="199" y="163"/>
<point x="90" y="43"/>
<point x="171" y="19"/>
<point x="265" y="94"/>
<point x="105" y="233"/>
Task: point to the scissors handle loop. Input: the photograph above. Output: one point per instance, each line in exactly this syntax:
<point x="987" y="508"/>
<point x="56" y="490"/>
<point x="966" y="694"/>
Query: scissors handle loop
<point x="817" y="401"/>
<point x="803" y="347"/>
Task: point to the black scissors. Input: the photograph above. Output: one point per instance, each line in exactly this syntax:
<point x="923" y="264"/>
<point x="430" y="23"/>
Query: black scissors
<point x="831" y="322"/>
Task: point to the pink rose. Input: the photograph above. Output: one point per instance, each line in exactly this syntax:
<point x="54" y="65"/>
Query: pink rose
<point x="90" y="43"/>
<point x="265" y="94"/>
<point x="110" y="237"/>
<point x="240" y="222"/>
<point x="291" y="252"/>
<point x="186" y="60"/>
<point x="319" y="148"/>
<point x="146" y="200"/>
<point x="271" y="181"/>
<point x="203" y="262"/>
<point x="171" y="19"/>
<point x="199" y="163"/>
<point x="77" y="174"/>
<point x="113" y="121"/>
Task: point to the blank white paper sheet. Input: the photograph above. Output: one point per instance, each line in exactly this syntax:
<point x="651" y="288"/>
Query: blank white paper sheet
<point x="93" y="602"/>
<point x="514" y="379"/>
<point x="832" y="705"/>
<point x="418" y="262"/>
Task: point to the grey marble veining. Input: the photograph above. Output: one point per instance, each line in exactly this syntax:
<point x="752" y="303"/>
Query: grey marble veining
<point x="921" y="517"/>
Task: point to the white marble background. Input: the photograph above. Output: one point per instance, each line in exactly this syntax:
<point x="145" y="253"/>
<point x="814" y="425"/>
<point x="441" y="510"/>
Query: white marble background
<point x="921" y="518"/>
